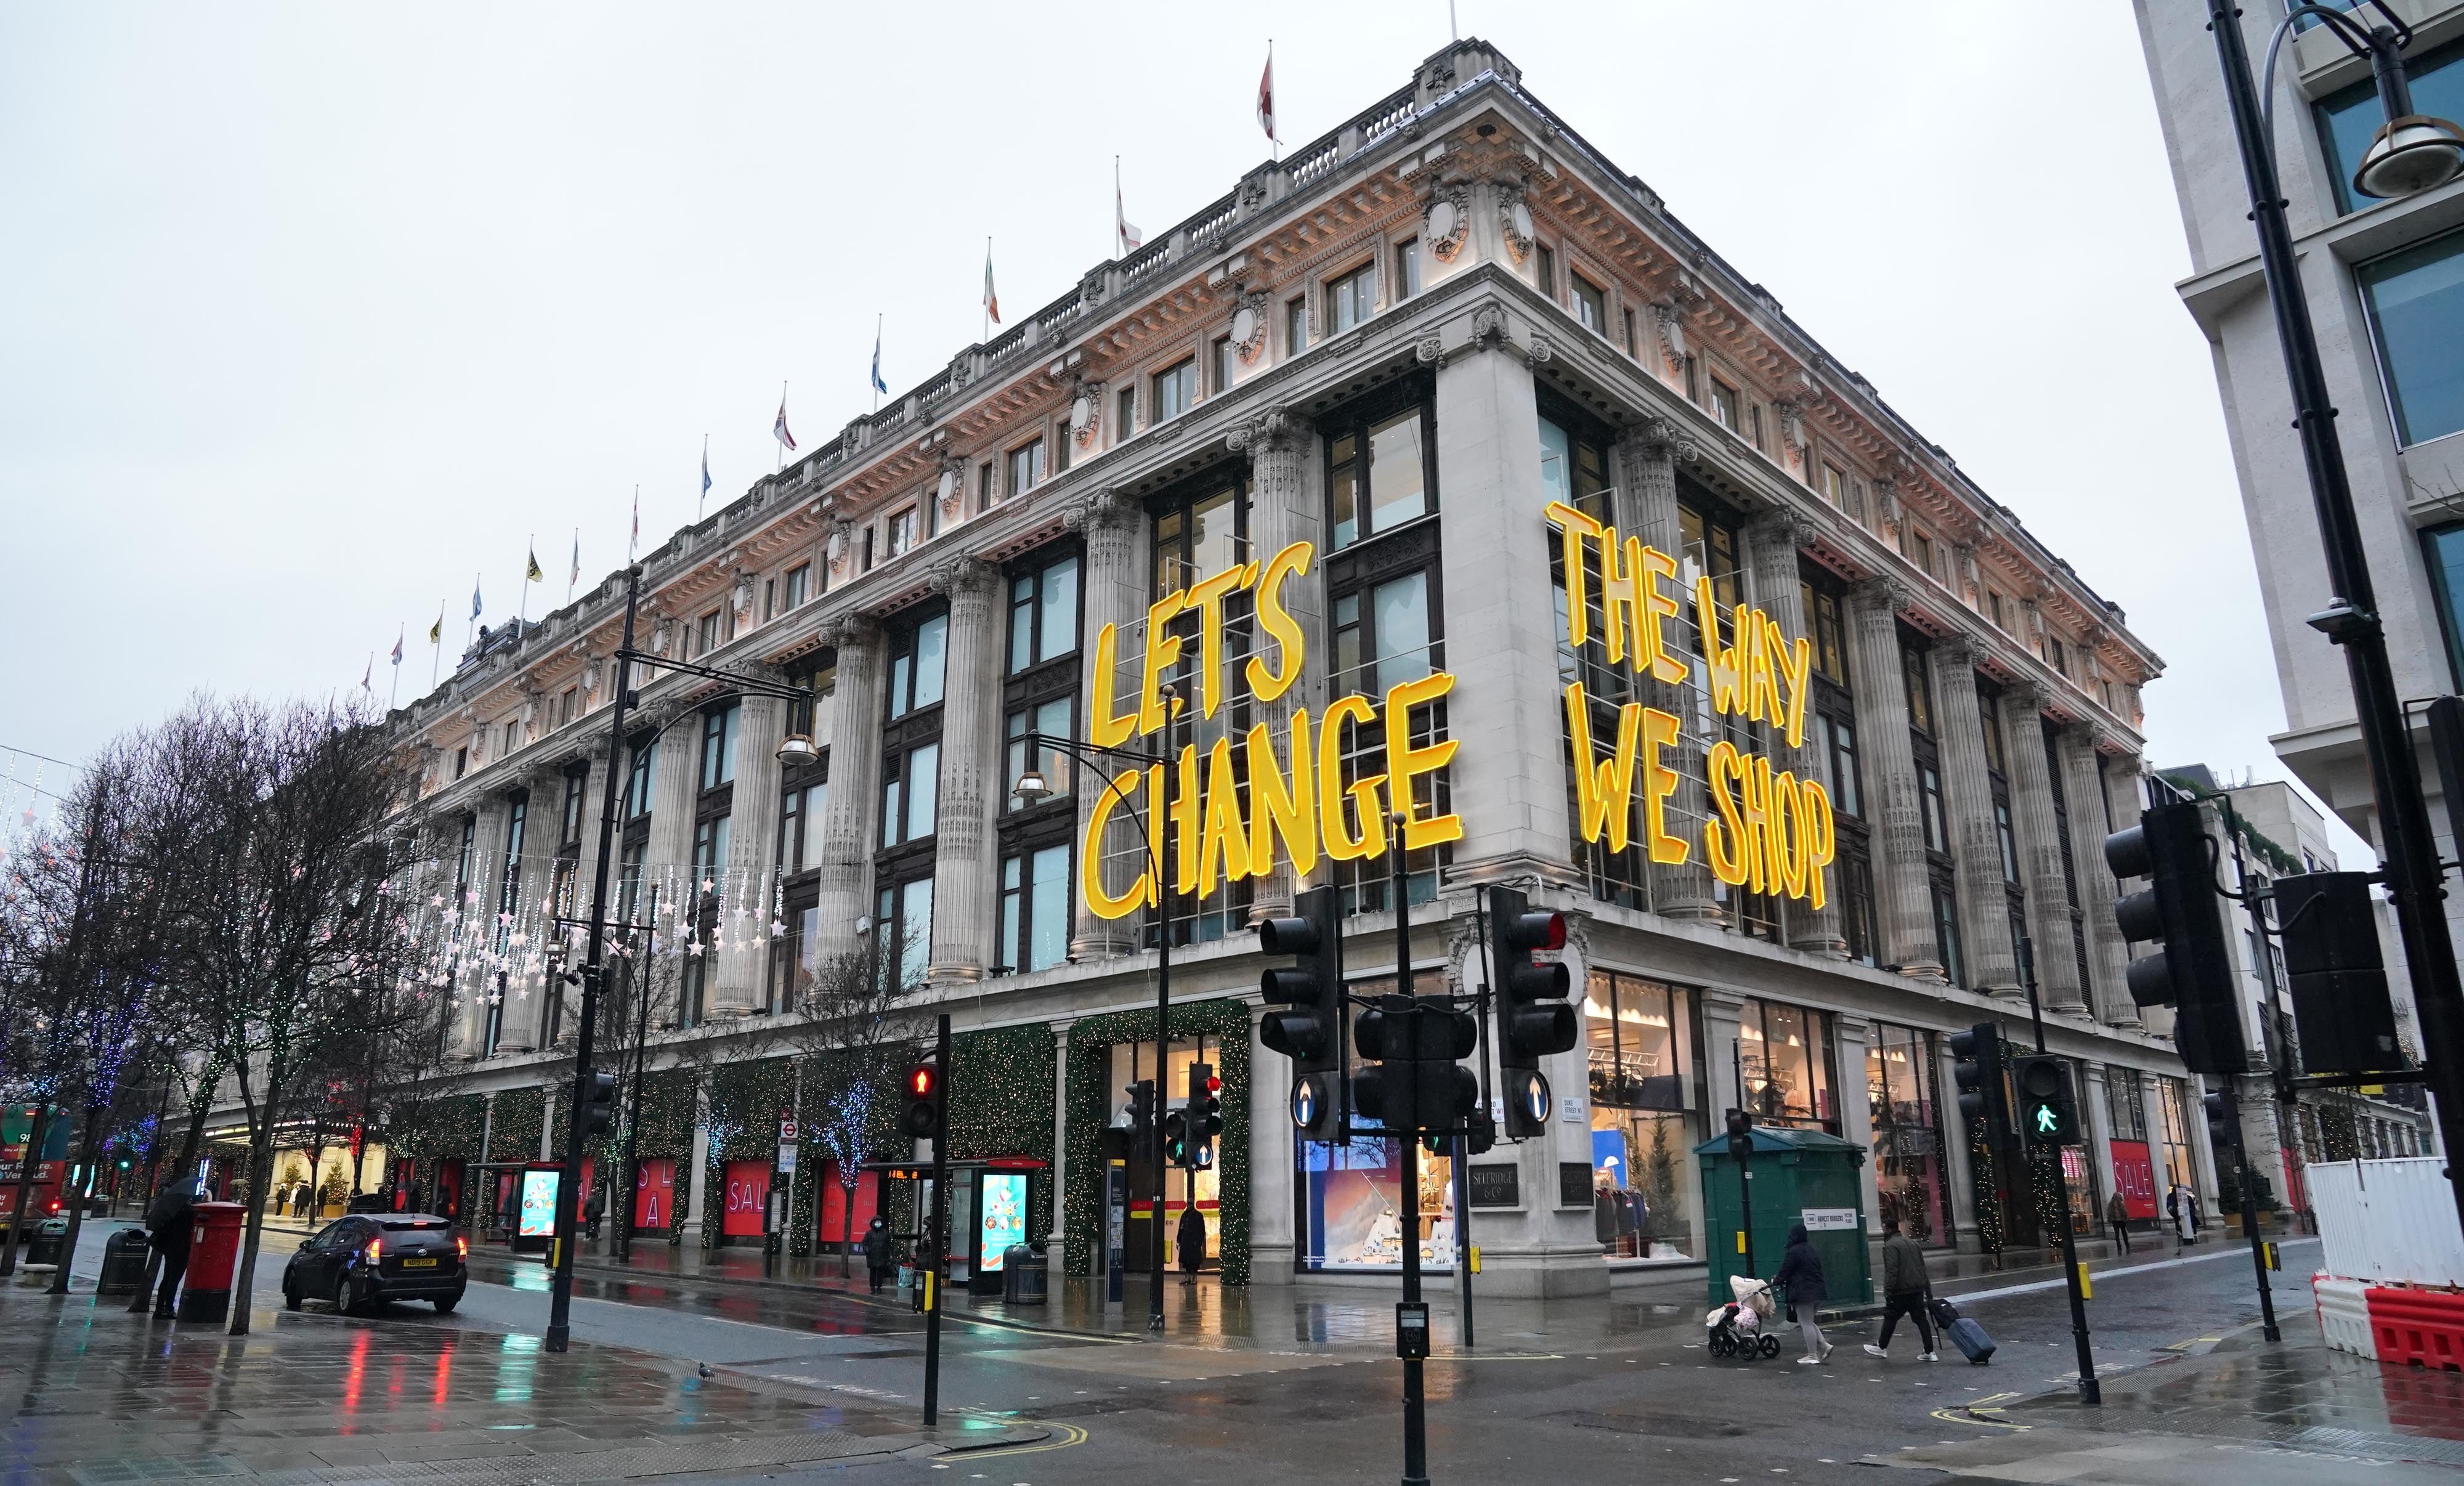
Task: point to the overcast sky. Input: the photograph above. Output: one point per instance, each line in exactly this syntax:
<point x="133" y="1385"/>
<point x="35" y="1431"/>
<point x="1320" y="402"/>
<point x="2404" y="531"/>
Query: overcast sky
<point x="309" y="312"/>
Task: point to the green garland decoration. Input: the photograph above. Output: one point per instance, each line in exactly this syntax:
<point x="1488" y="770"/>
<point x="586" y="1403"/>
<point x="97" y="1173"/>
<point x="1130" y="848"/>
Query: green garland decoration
<point x="1091" y="1044"/>
<point x="1002" y="1102"/>
<point x="745" y="1101"/>
<point x="444" y="1130"/>
<point x="515" y="1133"/>
<point x="1987" y="1198"/>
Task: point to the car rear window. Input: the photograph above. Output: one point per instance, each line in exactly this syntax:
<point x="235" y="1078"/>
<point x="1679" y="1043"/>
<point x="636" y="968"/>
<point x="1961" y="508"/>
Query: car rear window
<point x="395" y="1224"/>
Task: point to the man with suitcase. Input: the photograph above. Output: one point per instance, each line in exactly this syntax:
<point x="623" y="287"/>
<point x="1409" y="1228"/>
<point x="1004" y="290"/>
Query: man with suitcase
<point x="1907" y="1287"/>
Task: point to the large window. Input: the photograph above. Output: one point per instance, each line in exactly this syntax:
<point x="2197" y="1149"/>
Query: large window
<point x="1200" y="530"/>
<point x="1907" y="1132"/>
<point x="910" y="794"/>
<point x="903" y="923"/>
<point x="1381" y="471"/>
<point x="800" y="808"/>
<point x="1646" y="1187"/>
<point x="2443" y="551"/>
<point x="1784" y="1053"/>
<point x="1042" y="614"/>
<point x="916" y="666"/>
<point x="1351" y="298"/>
<point x="1035" y="909"/>
<point x="1590" y="305"/>
<point x="718" y="747"/>
<point x="2349" y="118"/>
<point x="2416" y="301"/>
<point x="1175" y="389"/>
<point x="1384" y="634"/>
<point x="1025" y="467"/>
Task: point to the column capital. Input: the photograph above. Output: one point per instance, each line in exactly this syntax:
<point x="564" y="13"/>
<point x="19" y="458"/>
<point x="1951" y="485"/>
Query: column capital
<point x="851" y="630"/>
<point x="1272" y="429"/>
<point x="2025" y="695"/>
<point x="960" y="578"/>
<point x="1659" y="437"/>
<point x="1781" y="523"/>
<point x="1958" y="648"/>
<point x="1880" y="590"/>
<point x="1101" y="508"/>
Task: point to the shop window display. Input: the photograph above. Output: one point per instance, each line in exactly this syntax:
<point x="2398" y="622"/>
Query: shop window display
<point x="1353" y="1194"/>
<point x="1907" y="1132"/>
<point x="1646" y="1196"/>
<point x="1784" y="1053"/>
<point x="1133" y="1061"/>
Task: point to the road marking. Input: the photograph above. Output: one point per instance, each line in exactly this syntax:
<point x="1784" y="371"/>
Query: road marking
<point x="1974" y="1409"/>
<point x="2033" y="1286"/>
<point x="1072" y="1436"/>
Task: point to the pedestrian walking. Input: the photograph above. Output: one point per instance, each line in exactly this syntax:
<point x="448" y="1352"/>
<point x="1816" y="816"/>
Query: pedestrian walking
<point x="591" y="1208"/>
<point x="879" y="1256"/>
<point x="1907" y="1287"/>
<point x="2178" y="1216"/>
<point x="2118" y="1213"/>
<point x="1799" y="1282"/>
<point x="169" y="1224"/>
<point x="1190" y="1238"/>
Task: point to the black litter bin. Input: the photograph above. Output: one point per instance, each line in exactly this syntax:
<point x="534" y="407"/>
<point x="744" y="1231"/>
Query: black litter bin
<point x="50" y="1244"/>
<point x="1024" y="1276"/>
<point x="123" y="1263"/>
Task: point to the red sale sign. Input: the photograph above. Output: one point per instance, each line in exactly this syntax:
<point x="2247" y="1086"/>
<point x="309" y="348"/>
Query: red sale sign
<point x="748" y="1191"/>
<point x="2134" y="1177"/>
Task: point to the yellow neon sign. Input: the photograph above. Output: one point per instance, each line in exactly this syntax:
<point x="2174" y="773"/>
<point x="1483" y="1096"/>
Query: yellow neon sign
<point x="1299" y="807"/>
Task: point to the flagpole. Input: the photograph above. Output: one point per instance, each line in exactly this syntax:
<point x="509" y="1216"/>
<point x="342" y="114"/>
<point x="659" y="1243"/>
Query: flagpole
<point x="573" y="575"/>
<point x="1273" y="138"/>
<point x="988" y="303"/>
<point x="781" y="462"/>
<point x="436" y="648"/>
<point x="703" y="498"/>
<point x="1120" y="239"/>
<point x="394" y="696"/>
<point x="470" y="631"/>
<point x="530" y="566"/>
<point x="876" y="361"/>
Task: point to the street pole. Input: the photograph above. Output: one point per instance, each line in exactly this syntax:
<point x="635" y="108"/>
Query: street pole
<point x="1165" y="896"/>
<point x="2091" y="1391"/>
<point x="936" y="1236"/>
<point x="2409" y="854"/>
<point x="1416" y="1443"/>
<point x="635" y="977"/>
<point x="1462" y="1230"/>
<point x="560" y="1312"/>
<point x="1745" y="1163"/>
<point x="2255" y="906"/>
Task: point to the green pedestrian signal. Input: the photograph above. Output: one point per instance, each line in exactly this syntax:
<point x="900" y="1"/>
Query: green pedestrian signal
<point x="2048" y="1105"/>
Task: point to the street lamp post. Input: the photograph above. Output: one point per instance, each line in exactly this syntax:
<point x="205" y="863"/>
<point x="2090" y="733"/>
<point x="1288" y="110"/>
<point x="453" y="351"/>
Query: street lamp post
<point x="1031" y="787"/>
<point x="795" y="746"/>
<point x="2411" y="154"/>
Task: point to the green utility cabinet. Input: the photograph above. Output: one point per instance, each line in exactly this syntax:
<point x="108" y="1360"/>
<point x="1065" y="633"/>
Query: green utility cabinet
<point x="1800" y="1176"/>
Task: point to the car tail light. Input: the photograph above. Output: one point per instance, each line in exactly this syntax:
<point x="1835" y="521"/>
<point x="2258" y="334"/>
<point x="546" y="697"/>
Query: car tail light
<point x="376" y="1249"/>
<point x="461" y="1246"/>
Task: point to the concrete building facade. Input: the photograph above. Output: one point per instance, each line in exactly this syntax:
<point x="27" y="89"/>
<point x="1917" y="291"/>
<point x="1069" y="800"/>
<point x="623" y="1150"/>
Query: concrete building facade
<point x="1419" y="353"/>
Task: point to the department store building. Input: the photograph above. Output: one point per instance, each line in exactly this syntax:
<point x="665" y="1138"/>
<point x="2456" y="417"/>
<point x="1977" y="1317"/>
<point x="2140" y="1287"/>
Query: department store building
<point x="1423" y="348"/>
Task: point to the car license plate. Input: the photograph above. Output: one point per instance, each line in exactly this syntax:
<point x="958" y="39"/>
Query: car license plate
<point x="419" y="1264"/>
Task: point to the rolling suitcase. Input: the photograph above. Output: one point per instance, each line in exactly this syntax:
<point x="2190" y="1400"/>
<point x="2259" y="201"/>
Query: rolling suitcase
<point x="1964" y="1333"/>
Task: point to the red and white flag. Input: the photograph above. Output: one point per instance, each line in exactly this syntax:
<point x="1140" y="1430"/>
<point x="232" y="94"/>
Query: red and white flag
<point x="779" y="427"/>
<point x="991" y="300"/>
<point x="1130" y="236"/>
<point x="1267" y="98"/>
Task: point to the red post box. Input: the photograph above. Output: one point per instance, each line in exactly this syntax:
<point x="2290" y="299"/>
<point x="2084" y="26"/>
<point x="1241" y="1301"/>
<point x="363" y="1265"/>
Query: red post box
<point x="213" y="1255"/>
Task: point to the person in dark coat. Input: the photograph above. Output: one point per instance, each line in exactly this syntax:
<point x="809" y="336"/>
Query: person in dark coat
<point x="1190" y="1238"/>
<point x="1906" y="1287"/>
<point x="592" y="1207"/>
<point x="169" y="1224"/>
<point x="1799" y="1283"/>
<point x="2117" y="1212"/>
<point x="880" y="1257"/>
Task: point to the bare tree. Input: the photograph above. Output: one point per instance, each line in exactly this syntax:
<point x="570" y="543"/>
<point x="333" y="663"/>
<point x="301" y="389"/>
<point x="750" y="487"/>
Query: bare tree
<point x="857" y="1023"/>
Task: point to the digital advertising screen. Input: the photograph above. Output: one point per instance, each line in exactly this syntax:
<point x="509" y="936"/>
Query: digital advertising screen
<point x="1001" y="1214"/>
<point x="538" y="1205"/>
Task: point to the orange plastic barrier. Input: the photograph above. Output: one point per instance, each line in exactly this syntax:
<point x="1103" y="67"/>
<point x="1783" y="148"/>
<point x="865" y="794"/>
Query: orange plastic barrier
<point x="2424" y="1328"/>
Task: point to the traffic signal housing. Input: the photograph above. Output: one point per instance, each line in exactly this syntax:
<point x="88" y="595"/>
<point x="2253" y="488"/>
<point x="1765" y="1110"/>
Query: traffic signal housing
<point x="1533" y="1019"/>
<point x="923" y="1092"/>
<point x="1741" y="1135"/>
<point x="2048" y="1102"/>
<point x="1306" y="1025"/>
<point x="595" y="1109"/>
<point x="1205" y="1118"/>
<point x="2193" y="973"/>
<point x="1978" y="1068"/>
<point x="2338" y="980"/>
<point x="1142" y="1124"/>
<point x="1415" y="1082"/>
<point x="1175" y="1138"/>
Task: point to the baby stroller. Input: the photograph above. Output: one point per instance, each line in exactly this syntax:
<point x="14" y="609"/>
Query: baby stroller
<point x="1736" y="1329"/>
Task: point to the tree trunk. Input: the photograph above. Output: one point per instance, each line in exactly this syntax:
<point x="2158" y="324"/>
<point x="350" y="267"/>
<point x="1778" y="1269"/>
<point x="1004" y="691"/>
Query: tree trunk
<point x="260" y="1172"/>
<point x="74" y="1203"/>
<point x="847" y="1230"/>
<point x="37" y="1131"/>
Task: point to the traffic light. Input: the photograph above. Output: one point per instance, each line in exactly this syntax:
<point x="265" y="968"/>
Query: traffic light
<point x="1205" y="1113"/>
<point x="1415" y="1082"/>
<point x="925" y="1111"/>
<point x="1142" y="1131"/>
<point x="1976" y="1067"/>
<point x="1175" y="1138"/>
<point x="2048" y="1105"/>
<point x="596" y="1109"/>
<point x="1310" y="1029"/>
<point x="2224" y="1122"/>
<point x="1532" y="1018"/>
<point x="2194" y="972"/>
<point x="1741" y="1134"/>
<point x="2337" y="981"/>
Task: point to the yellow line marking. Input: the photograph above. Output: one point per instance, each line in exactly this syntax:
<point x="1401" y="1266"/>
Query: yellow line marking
<point x="1075" y="1436"/>
<point x="1974" y="1412"/>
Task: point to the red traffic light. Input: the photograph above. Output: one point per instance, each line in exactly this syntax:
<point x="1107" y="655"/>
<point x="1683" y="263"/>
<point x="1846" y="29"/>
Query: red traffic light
<point x="1532" y="931"/>
<point x="921" y="1081"/>
<point x="1214" y="1084"/>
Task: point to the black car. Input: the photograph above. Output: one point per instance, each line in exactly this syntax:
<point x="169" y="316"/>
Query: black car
<point x="362" y="1261"/>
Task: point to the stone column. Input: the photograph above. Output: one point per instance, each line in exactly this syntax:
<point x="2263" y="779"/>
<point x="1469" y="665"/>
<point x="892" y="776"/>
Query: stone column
<point x="542" y="822"/>
<point x="478" y="909"/>
<point x="2097" y="1111"/>
<point x="1116" y="594"/>
<point x="586" y="866"/>
<point x="1646" y="506"/>
<point x="971" y="786"/>
<point x="697" y="1190"/>
<point x="1958" y="1182"/>
<point x="1509" y="785"/>
<point x="1271" y="1238"/>
<point x="2118" y="780"/>
<point x="2040" y="848"/>
<point x="1853" y="1035"/>
<point x="740" y="980"/>
<point x="846" y="878"/>
<point x="1968" y="794"/>
<point x="1721" y="1011"/>
<point x="675" y="789"/>
<point x="1057" y="1241"/>
<point x="1903" y="898"/>
<point x="1283" y="509"/>
<point x="1772" y="543"/>
<point x="2108" y="961"/>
